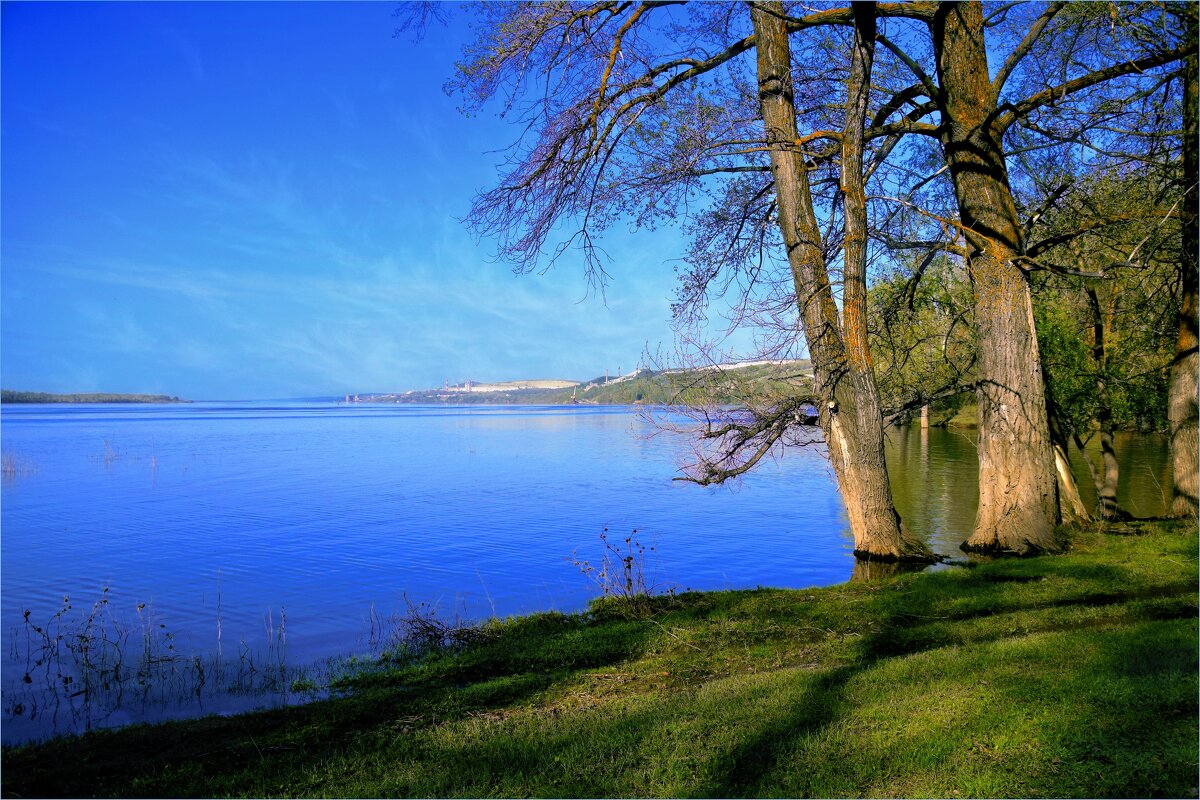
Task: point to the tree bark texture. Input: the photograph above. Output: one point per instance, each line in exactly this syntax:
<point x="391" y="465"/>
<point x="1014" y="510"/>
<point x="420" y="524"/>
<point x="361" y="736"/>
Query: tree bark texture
<point x="1182" y="397"/>
<point x="1018" y="502"/>
<point x="849" y="410"/>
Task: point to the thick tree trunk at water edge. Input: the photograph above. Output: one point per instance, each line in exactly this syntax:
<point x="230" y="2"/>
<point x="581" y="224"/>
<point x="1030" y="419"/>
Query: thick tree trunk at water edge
<point x="854" y="434"/>
<point x="849" y="414"/>
<point x="1018" y="502"/>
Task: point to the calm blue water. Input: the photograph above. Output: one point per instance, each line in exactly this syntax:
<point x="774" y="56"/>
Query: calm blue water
<point x="326" y="510"/>
<point x="224" y="517"/>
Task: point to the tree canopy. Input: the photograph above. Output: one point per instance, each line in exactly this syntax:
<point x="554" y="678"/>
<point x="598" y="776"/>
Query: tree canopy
<point x="962" y="158"/>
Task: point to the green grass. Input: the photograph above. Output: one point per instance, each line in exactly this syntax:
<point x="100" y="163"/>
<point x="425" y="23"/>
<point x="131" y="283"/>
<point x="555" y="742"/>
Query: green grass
<point x="1071" y="675"/>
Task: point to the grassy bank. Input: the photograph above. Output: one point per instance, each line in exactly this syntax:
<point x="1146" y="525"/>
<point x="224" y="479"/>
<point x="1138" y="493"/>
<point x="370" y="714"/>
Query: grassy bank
<point x="1069" y="675"/>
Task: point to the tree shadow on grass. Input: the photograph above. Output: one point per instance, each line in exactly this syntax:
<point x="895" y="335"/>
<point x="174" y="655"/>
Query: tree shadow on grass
<point x="756" y="766"/>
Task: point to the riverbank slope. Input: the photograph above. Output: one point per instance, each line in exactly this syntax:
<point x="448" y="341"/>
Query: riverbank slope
<point x="1070" y="675"/>
<point x="726" y="383"/>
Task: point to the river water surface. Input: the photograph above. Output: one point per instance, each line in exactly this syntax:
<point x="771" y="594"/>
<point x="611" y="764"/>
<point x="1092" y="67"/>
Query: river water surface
<point x="296" y="528"/>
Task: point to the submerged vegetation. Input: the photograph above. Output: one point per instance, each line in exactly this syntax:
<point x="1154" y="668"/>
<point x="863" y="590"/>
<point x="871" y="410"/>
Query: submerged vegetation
<point x="1069" y="675"/>
<point x="13" y="466"/>
<point x="89" y="666"/>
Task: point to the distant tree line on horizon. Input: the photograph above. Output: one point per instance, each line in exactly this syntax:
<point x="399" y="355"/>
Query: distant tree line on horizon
<point x="11" y="396"/>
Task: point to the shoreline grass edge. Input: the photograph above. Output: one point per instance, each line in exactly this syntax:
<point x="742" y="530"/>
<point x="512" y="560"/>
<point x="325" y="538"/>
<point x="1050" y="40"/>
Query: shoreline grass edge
<point x="1069" y="675"/>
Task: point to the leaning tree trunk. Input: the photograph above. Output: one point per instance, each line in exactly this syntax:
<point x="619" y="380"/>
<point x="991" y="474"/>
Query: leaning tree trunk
<point x="1182" y="408"/>
<point x="849" y="409"/>
<point x="1071" y="507"/>
<point x="1109" y="480"/>
<point x="1018" y="503"/>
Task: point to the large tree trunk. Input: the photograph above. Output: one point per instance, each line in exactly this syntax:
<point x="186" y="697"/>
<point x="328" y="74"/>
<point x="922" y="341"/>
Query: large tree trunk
<point x="1182" y="409"/>
<point x="1018" y="502"/>
<point x="849" y="412"/>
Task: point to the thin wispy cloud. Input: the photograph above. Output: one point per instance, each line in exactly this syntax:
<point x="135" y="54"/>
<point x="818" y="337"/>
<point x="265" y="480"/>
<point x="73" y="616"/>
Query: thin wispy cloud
<point x="288" y="225"/>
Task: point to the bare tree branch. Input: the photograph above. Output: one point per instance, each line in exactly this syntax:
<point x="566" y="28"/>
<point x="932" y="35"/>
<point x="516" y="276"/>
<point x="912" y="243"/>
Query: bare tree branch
<point x="1022" y="49"/>
<point x="1011" y="112"/>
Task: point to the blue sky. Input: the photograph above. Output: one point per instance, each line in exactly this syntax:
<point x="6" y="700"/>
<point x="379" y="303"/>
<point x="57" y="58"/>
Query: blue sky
<point x="242" y="200"/>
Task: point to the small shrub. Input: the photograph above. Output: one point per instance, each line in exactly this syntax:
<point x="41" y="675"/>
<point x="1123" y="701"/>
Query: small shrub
<point x="621" y="575"/>
<point x="304" y="685"/>
<point x="419" y="631"/>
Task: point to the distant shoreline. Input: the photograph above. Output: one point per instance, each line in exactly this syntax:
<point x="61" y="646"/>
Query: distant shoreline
<point x="10" y="396"/>
<point x="710" y="383"/>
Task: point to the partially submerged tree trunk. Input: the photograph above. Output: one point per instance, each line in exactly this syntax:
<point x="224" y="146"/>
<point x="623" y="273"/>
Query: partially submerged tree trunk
<point x="1018" y="503"/>
<point x="1182" y="402"/>
<point x="1109" y="478"/>
<point x="849" y="409"/>
<point x="1071" y="507"/>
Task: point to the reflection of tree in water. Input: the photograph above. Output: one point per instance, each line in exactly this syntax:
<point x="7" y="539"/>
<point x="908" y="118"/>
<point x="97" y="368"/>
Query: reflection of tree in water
<point x="934" y="475"/>
<point x="867" y="571"/>
<point x="1144" y="466"/>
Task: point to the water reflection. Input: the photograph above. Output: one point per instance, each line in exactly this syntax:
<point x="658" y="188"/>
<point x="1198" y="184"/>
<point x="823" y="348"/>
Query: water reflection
<point x="867" y="571"/>
<point x="935" y="483"/>
<point x="935" y="479"/>
<point x="1144" y="461"/>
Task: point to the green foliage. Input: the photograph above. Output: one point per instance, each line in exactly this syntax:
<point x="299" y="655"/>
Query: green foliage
<point x="1134" y="373"/>
<point x="922" y="342"/>
<point x="1130" y="244"/>
<point x="1067" y="359"/>
<point x="1066" y="675"/>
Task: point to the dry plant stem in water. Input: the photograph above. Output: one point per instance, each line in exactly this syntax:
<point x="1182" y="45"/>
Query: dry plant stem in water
<point x="621" y="573"/>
